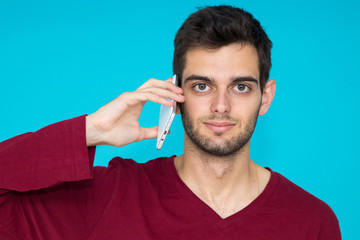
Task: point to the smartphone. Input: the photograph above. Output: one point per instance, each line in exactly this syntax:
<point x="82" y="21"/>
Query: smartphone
<point x="166" y="117"/>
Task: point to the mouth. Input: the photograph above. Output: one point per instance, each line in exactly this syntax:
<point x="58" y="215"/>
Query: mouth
<point x="219" y="127"/>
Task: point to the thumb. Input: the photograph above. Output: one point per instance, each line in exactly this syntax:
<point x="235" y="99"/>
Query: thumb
<point x="148" y="133"/>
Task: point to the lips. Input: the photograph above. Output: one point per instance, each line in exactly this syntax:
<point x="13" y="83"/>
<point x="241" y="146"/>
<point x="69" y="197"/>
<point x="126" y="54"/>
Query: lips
<point x="219" y="126"/>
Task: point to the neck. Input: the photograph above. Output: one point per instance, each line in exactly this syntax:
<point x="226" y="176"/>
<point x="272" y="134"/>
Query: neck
<point x="226" y="184"/>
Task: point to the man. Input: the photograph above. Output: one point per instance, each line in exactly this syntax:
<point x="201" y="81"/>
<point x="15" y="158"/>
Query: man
<point x="49" y="189"/>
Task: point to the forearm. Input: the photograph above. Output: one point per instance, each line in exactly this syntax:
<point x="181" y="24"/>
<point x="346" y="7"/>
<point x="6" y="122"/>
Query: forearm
<point x="49" y="156"/>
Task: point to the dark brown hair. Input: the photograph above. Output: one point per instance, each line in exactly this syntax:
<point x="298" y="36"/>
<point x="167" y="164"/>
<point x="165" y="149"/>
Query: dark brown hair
<point x="218" y="26"/>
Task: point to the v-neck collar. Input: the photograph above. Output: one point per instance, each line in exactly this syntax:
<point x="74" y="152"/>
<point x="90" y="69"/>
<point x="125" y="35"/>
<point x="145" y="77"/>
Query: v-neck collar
<point x="207" y="212"/>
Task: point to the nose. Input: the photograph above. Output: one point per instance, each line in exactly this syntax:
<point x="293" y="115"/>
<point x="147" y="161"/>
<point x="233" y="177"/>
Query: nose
<point x="221" y="102"/>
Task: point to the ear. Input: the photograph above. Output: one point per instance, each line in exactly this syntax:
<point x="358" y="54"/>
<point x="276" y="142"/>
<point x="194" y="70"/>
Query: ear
<point x="267" y="96"/>
<point x="177" y="108"/>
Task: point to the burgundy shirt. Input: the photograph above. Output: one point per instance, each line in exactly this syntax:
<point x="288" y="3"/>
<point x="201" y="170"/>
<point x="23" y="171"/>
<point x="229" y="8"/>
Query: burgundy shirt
<point x="50" y="190"/>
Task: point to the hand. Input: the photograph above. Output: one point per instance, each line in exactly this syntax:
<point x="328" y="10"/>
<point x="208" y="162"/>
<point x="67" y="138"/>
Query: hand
<point x="117" y="123"/>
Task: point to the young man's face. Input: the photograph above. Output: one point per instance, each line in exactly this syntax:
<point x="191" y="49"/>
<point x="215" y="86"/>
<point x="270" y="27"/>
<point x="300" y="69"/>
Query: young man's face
<point x="223" y="97"/>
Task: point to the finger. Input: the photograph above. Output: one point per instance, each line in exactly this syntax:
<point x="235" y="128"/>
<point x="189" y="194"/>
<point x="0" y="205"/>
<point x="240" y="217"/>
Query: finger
<point x="148" y="96"/>
<point x="134" y="98"/>
<point x="165" y="93"/>
<point x="167" y="84"/>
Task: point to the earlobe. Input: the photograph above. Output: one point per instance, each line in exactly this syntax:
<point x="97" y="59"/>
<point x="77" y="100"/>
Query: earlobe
<point x="267" y="96"/>
<point x="178" y="108"/>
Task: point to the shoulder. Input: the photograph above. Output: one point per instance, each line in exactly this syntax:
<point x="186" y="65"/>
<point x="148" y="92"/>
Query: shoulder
<point x="130" y="167"/>
<point x="128" y="173"/>
<point x="119" y="162"/>
<point x="290" y="198"/>
<point x="287" y="191"/>
<point x="137" y="178"/>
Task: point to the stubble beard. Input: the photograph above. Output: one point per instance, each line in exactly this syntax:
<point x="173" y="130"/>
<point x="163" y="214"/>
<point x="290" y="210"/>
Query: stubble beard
<point x="210" y="146"/>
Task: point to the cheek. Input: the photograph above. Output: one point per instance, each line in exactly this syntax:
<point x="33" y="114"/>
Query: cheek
<point x="246" y="108"/>
<point x="195" y="106"/>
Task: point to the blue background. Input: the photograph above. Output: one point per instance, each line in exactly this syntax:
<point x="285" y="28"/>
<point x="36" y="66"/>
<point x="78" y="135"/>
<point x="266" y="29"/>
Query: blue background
<point x="61" y="59"/>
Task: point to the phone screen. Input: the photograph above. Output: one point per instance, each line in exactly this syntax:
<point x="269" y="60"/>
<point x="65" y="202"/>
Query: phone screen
<point x="166" y="117"/>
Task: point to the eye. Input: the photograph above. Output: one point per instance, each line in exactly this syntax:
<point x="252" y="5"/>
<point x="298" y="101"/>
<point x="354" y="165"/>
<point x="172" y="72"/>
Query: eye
<point x="201" y="87"/>
<point x="241" y="88"/>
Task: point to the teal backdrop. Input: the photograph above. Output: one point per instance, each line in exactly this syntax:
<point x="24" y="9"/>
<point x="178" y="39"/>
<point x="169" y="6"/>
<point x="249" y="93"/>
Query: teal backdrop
<point x="61" y="59"/>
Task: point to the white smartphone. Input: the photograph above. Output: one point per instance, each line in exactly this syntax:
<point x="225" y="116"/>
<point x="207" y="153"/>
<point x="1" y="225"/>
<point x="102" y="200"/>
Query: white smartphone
<point x="166" y="117"/>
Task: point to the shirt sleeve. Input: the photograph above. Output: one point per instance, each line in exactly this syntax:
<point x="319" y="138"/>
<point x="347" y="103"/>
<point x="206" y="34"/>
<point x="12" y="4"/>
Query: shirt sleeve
<point x="47" y="184"/>
<point x="52" y="155"/>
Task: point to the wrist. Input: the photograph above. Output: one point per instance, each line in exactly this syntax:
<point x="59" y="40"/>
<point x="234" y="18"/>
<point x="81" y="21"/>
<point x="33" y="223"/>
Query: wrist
<point x="93" y="136"/>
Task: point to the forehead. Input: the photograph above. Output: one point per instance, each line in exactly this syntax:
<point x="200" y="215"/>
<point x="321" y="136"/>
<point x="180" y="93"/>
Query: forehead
<point x="234" y="60"/>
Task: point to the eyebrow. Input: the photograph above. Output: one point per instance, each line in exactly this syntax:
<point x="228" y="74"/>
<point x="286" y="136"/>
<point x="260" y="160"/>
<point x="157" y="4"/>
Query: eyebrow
<point x="235" y="80"/>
